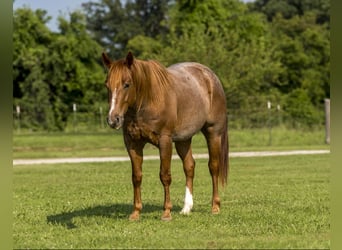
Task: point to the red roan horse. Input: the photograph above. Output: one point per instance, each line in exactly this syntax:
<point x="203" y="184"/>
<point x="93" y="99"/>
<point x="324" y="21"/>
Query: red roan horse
<point x="159" y="105"/>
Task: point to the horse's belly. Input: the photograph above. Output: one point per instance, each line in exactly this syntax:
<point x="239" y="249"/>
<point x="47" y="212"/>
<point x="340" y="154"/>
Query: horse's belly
<point x="188" y="126"/>
<point x="184" y="135"/>
<point x="192" y="112"/>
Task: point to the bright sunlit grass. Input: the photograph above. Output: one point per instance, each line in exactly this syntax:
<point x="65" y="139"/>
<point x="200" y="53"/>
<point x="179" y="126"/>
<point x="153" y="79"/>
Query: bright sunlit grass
<point x="270" y="202"/>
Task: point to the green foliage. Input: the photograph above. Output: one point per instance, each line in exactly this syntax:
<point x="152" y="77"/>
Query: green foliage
<point x="299" y="106"/>
<point x="301" y="44"/>
<point x="144" y="46"/>
<point x="75" y="70"/>
<point x="270" y="202"/>
<point x="30" y="55"/>
<point x="303" y="49"/>
<point x="113" y="23"/>
<point x="266" y="50"/>
<point x="53" y="70"/>
<point x="291" y="8"/>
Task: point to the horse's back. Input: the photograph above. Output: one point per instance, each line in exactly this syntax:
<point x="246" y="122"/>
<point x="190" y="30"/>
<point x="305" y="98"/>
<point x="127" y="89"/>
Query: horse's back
<point x="197" y="75"/>
<point x="199" y="83"/>
<point x="200" y="97"/>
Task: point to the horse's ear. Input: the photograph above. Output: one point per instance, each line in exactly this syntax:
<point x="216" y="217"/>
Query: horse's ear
<point x="129" y="59"/>
<point x="106" y="60"/>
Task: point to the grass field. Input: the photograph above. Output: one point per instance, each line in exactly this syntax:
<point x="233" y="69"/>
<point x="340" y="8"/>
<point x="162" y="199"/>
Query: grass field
<point x="270" y="202"/>
<point x="110" y="143"/>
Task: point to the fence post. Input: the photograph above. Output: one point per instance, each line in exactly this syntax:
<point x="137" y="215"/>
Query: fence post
<point x="327" y="120"/>
<point x="74" y="108"/>
<point x="280" y="120"/>
<point x="18" y="117"/>
<point x="269" y="123"/>
<point x="101" y="118"/>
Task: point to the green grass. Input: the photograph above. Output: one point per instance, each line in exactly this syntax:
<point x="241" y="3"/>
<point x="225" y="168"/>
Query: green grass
<point x="110" y="143"/>
<point x="270" y="202"/>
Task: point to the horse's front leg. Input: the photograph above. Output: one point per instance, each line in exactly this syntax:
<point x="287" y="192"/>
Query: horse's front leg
<point x="165" y="151"/>
<point x="135" y="151"/>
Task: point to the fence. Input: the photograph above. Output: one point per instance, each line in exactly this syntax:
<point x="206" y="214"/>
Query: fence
<point x="83" y="118"/>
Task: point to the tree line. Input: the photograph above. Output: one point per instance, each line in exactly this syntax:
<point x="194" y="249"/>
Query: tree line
<point x="275" y="51"/>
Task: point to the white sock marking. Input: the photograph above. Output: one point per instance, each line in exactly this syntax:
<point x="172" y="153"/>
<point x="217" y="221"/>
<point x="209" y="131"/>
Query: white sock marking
<point x="188" y="202"/>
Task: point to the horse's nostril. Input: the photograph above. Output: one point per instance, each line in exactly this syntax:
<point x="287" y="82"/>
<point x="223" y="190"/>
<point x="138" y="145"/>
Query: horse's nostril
<point x="108" y="121"/>
<point x="115" y="121"/>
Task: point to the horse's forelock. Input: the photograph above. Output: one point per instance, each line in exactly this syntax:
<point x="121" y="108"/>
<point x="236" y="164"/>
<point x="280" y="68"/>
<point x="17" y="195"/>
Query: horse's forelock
<point x="150" y="78"/>
<point x="117" y="71"/>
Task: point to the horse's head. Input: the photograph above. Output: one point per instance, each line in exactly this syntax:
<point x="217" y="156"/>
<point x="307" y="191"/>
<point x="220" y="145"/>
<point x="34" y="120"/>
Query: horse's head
<point x="121" y="90"/>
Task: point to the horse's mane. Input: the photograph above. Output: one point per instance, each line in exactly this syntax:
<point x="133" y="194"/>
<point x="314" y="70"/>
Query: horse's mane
<point x="152" y="81"/>
<point x="151" y="78"/>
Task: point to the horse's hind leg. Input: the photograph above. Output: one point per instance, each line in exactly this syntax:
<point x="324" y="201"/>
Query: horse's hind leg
<point x="214" y="146"/>
<point x="185" y="153"/>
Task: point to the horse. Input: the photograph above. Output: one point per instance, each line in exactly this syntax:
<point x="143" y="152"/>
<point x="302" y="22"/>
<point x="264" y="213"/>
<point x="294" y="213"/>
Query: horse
<point x="161" y="106"/>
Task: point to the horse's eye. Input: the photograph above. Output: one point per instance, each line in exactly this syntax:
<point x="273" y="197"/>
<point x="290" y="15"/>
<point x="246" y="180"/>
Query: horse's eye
<point x="126" y="85"/>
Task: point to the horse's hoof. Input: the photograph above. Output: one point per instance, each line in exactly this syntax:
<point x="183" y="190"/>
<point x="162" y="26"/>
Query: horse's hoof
<point x="166" y="216"/>
<point x="215" y="210"/>
<point x="185" y="211"/>
<point x="134" y="216"/>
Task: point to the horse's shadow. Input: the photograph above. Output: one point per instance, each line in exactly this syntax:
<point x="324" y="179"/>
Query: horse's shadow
<point x="115" y="211"/>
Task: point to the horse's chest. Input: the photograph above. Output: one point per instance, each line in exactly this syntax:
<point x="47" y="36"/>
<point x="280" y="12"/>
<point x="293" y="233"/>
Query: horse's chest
<point x="142" y="131"/>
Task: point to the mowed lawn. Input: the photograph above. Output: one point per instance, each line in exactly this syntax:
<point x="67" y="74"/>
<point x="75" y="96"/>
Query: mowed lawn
<point x="110" y="143"/>
<point x="270" y="202"/>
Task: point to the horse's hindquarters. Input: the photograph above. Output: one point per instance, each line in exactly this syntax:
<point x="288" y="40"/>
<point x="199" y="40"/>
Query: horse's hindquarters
<point x="200" y="99"/>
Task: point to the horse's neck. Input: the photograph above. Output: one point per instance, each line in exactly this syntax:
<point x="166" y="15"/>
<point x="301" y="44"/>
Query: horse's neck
<point x="149" y="110"/>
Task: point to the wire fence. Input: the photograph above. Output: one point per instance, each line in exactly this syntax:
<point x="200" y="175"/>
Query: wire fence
<point x="83" y="118"/>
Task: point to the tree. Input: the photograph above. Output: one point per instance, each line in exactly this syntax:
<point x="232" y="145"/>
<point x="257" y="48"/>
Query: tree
<point x="301" y="37"/>
<point x="300" y="109"/>
<point x="31" y="38"/>
<point x="74" y="65"/>
<point x="54" y="70"/>
<point x="303" y="48"/>
<point x="291" y="8"/>
<point x="113" y="24"/>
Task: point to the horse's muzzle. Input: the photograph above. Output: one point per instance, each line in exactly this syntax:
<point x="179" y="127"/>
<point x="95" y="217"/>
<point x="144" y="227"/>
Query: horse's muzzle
<point x="116" y="122"/>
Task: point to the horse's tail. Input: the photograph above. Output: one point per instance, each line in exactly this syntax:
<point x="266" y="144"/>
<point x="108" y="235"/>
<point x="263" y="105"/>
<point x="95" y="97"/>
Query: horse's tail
<point x="224" y="158"/>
